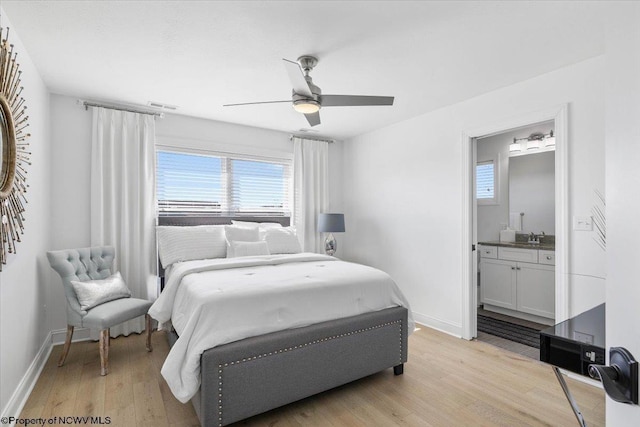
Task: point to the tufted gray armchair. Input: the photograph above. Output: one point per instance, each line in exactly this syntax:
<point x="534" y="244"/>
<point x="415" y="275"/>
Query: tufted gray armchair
<point x="93" y="264"/>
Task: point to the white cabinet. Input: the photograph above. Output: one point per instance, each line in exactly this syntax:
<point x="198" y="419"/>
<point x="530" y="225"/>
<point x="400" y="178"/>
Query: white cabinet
<point x="547" y="257"/>
<point x="536" y="293"/>
<point x="518" y="254"/>
<point x="489" y="252"/>
<point x="498" y="282"/>
<point x="510" y="283"/>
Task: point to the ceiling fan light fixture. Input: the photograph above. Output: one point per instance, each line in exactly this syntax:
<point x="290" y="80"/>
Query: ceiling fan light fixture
<point x="306" y="106"/>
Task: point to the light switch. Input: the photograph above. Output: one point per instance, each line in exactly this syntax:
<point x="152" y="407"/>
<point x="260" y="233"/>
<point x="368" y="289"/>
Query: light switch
<point x="582" y="223"/>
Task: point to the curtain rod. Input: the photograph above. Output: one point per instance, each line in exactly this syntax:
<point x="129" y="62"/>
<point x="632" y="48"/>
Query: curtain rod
<point x="88" y="104"/>
<point x="330" y="141"/>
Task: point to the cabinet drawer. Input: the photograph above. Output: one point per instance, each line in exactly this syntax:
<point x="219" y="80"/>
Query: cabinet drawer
<point x="489" y="252"/>
<point x="547" y="257"/>
<point x="517" y="254"/>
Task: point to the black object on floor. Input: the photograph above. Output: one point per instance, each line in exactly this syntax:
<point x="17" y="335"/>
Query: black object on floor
<point x="510" y="331"/>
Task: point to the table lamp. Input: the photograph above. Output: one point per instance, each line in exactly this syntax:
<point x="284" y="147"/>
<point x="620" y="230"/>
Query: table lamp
<point x="331" y="223"/>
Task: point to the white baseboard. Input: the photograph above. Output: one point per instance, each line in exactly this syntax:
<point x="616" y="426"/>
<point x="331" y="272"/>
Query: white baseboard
<point x="28" y="382"/>
<point x="79" y="334"/>
<point x="440" y="325"/>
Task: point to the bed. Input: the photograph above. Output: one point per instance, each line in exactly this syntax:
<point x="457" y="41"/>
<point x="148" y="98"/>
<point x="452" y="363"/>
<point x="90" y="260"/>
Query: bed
<point x="240" y="347"/>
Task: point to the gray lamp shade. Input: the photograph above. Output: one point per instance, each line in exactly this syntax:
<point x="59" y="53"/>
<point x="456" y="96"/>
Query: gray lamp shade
<point x="331" y="223"/>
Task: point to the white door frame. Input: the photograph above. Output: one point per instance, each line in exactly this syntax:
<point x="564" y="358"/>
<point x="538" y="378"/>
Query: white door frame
<point x="559" y="114"/>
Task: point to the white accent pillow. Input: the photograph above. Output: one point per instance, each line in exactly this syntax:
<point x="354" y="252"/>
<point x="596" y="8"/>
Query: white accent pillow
<point x="262" y="226"/>
<point x="249" y="249"/>
<point x="239" y="234"/>
<point x="283" y="241"/>
<point x="177" y="244"/>
<point x="95" y="292"/>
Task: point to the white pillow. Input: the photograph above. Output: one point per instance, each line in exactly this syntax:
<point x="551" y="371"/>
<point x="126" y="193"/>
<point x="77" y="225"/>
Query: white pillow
<point x="239" y="234"/>
<point x="248" y="249"/>
<point x="283" y="241"/>
<point x="177" y="244"/>
<point x="262" y="226"/>
<point x="95" y="292"/>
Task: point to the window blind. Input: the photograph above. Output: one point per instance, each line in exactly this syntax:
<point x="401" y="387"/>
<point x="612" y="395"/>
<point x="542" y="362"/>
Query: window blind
<point x="226" y="185"/>
<point x="485" y="180"/>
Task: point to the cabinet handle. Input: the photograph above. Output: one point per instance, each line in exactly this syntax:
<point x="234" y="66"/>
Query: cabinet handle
<point x="513" y="268"/>
<point x="549" y="257"/>
<point x="517" y="268"/>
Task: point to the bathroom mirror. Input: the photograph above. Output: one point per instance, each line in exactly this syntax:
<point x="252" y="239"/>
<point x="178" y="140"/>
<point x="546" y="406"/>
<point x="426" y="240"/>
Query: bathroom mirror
<point x="532" y="191"/>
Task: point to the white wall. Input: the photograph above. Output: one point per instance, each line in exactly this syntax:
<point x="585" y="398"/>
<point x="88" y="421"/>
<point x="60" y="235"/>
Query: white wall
<point x="201" y="133"/>
<point x="23" y="281"/>
<point x="403" y="190"/>
<point x="491" y="217"/>
<point x="71" y="161"/>
<point x="623" y="187"/>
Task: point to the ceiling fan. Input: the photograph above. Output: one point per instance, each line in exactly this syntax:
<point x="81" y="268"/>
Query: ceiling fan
<point x="307" y="98"/>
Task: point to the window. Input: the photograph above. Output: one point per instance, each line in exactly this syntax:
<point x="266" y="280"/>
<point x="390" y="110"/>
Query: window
<point x="226" y="185"/>
<point x="485" y="181"/>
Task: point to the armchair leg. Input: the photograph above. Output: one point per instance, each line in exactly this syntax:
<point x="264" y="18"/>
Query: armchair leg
<point x="104" y="351"/>
<point x="67" y="345"/>
<point x="147" y="319"/>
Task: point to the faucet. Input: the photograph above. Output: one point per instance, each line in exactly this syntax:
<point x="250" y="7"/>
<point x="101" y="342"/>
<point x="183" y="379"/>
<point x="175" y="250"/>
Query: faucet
<point x="536" y="239"/>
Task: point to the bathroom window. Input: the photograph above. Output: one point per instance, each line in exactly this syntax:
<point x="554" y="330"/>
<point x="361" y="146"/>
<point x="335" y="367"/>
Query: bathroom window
<point x="486" y="182"/>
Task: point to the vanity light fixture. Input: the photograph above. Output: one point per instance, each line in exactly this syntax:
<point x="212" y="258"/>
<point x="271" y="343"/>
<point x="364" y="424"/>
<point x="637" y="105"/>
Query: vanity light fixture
<point x="533" y="142"/>
<point x="515" y="146"/>
<point x="550" y="140"/>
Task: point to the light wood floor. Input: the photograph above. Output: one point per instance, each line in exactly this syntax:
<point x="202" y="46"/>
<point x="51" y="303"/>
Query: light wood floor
<point x="447" y="382"/>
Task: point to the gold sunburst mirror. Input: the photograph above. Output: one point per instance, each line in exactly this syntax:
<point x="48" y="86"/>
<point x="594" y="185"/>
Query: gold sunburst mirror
<point x="14" y="148"/>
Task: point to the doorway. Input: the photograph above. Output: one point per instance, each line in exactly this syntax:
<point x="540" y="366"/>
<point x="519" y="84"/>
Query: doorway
<point x="515" y="223"/>
<point x="470" y="296"/>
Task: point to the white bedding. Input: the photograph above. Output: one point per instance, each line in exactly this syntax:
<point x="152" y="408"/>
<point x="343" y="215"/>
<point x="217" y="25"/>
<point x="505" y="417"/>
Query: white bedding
<point x="217" y="301"/>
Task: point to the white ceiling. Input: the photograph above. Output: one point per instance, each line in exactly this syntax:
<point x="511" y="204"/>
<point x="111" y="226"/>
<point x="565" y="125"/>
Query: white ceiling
<point x="200" y="55"/>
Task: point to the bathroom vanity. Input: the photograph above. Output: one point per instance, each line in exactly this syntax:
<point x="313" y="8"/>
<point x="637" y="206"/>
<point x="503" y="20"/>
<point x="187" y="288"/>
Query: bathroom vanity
<point x="518" y="279"/>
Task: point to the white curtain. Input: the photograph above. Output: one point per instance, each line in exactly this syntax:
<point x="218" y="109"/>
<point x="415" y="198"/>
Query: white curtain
<point x="123" y="207"/>
<point x="311" y="195"/>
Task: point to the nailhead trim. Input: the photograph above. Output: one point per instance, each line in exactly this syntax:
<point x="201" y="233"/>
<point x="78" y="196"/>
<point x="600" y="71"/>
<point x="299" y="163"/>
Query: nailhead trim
<point x="295" y="347"/>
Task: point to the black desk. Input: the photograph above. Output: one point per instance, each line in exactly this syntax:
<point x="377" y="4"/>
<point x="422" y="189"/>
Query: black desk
<point x="573" y="345"/>
<point x="577" y="342"/>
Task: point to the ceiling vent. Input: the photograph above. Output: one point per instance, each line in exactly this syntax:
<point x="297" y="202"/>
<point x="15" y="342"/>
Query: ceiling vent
<point x="162" y="106"/>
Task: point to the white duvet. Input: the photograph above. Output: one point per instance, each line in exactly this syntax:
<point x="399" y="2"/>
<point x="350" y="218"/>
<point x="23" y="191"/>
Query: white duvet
<point x="217" y="301"/>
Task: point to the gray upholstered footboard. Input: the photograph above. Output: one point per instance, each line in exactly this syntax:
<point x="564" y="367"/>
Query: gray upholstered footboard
<point x="255" y="375"/>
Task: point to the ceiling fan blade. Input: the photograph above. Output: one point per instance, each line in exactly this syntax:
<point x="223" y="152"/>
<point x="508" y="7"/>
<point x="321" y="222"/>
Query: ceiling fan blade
<point x="354" y="100"/>
<point x="252" y="103"/>
<point x="313" y="118"/>
<point x="298" y="82"/>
